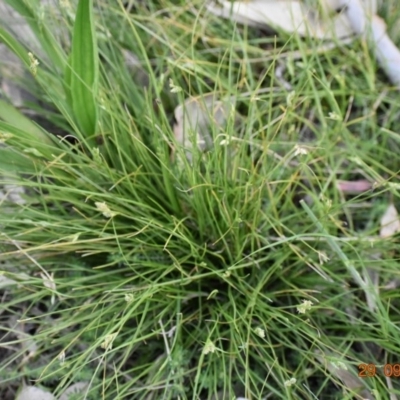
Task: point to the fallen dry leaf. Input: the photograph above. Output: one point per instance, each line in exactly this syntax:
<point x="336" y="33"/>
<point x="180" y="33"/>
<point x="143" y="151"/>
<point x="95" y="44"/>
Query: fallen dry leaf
<point x="290" y="16"/>
<point x="333" y="20"/>
<point x="390" y="222"/>
<point x="195" y="118"/>
<point x="74" y="390"/>
<point x="354" y="187"/>
<point x="365" y="23"/>
<point x="347" y="374"/>
<point x="34" y="393"/>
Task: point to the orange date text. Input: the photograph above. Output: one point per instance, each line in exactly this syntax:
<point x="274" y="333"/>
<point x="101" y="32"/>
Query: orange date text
<point x="371" y="370"/>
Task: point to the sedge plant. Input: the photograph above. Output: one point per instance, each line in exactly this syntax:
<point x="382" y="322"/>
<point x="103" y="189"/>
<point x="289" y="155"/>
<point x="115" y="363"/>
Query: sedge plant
<point x="242" y="272"/>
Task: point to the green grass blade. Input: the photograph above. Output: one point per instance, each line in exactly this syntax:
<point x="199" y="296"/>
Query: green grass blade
<point x="12" y="161"/>
<point x="67" y="82"/>
<point x="17" y="120"/>
<point x="14" y="46"/>
<point x="83" y="77"/>
<point x="49" y="82"/>
<point x="47" y="40"/>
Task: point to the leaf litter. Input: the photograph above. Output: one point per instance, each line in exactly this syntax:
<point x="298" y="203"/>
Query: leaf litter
<point x="195" y="119"/>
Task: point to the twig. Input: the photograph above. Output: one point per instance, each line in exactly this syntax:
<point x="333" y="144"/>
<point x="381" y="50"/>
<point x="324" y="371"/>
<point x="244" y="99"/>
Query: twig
<point x="371" y="26"/>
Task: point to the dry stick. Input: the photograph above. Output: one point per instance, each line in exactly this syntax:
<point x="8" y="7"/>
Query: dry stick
<point x="387" y="54"/>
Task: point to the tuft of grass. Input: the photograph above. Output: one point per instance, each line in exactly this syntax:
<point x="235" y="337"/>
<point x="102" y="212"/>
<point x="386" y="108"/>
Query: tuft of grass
<point x="151" y="277"/>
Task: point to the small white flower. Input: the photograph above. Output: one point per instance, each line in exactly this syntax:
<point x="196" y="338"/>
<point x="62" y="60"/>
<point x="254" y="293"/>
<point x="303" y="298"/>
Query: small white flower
<point x="260" y="332"/>
<point x="304" y="306"/>
<point x="228" y="140"/>
<point x="108" y="341"/>
<point x="226" y="274"/>
<point x="308" y="371"/>
<point x="328" y="202"/>
<point x="334" y="116"/>
<point x="209" y="347"/>
<point x="33" y="151"/>
<point x="44" y="224"/>
<point x="224" y="142"/>
<point x="171" y="332"/>
<point x="61" y="357"/>
<point x="4" y="136"/>
<point x="300" y="150"/>
<point x="323" y="258"/>
<point x="34" y="63"/>
<point x="243" y="346"/>
<point x="97" y="155"/>
<point x="290" y="382"/>
<point x="48" y="281"/>
<point x="174" y="88"/>
<point x="103" y="208"/>
<point x="289" y="98"/>
<point x="128" y="297"/>
<point x="65" y="4"/>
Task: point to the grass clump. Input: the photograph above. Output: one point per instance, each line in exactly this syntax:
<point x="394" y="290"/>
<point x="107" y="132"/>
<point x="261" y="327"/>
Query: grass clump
<point x="148" y="276"/>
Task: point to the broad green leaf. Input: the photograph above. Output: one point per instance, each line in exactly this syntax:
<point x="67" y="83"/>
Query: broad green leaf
<point x="12" y="161"/>
<point x="17" y="120"/>
<point x="83" y="77"/>
<point x="47" y="40"/>
<point x="26" y="150"/>
<point x="34" y="393"/>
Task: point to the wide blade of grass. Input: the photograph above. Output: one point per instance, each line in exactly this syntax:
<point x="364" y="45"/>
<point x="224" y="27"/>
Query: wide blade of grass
<point x="17" y="120"/>
<point x="82" y="74"/>
<point x="12" y="161"/>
